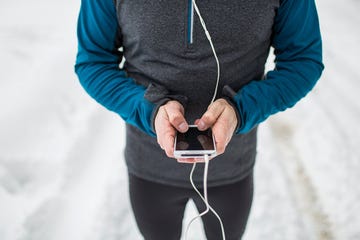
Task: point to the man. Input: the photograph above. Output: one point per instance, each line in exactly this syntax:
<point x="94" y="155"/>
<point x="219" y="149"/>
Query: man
<point x="167" y="83"/>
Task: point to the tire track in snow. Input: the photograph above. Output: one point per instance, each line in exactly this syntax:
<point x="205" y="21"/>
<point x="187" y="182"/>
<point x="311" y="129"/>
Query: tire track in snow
<point x="301" y="187"/>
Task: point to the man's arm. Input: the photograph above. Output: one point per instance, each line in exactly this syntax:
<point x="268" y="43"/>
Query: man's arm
<point x="298" y="50"/>
<point x="97" y="66"/>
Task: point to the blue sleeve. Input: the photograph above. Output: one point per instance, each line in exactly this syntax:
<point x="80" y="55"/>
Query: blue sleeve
<point x="97" y="66"/>
<point x="298" y="51"/>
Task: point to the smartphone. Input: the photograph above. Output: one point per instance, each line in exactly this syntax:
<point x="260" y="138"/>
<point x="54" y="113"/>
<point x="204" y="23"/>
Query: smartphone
<point x="194" y="143"/>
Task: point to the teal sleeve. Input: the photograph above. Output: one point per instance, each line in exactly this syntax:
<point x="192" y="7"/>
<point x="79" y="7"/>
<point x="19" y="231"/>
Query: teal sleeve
<point x="97" y="66"/>
<point x="298" y="65"/>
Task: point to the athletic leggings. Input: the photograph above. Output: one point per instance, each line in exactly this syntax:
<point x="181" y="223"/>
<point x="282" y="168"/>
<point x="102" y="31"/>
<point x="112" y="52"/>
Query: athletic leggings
<point x="159" y="208"/>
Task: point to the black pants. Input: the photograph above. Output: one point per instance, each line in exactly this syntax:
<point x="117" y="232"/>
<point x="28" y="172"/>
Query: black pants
<point x="159" y="209"/>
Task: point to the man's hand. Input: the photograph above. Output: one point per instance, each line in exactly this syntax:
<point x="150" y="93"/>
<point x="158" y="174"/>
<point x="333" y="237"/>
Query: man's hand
<point x="169" y="118"/>
<point x="221" y="116"/>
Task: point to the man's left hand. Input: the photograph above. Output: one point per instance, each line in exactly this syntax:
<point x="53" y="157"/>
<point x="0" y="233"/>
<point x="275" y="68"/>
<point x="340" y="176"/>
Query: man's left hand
<point x="221" y="117"/>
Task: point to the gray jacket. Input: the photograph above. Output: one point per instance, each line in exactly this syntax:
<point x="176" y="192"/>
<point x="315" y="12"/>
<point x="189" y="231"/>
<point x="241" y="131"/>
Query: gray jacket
<point x="169" y="57"/>
<point x="159" y="51"/>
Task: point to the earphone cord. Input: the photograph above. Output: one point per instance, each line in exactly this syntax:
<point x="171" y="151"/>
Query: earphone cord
<point x="206" y="167"/>
<point x="204" y="198"/>
<point x="212" y="47"/>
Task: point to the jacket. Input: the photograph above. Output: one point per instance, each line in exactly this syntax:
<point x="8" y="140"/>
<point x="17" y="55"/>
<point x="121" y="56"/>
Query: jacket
<point x="168" y="57"/>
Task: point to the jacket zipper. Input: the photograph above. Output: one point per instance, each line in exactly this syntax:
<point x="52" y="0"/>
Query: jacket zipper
<point x="190" y="23"/>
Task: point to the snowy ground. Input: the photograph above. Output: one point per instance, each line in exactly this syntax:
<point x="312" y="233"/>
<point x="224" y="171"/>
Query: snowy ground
<point x="62" y="173"/>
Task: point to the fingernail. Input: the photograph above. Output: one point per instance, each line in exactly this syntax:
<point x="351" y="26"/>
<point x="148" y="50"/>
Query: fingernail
<point x="201" y="124"/>
<point x="182" y="127"/>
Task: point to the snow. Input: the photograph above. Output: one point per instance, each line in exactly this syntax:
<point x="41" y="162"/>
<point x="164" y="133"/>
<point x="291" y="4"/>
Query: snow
<point x="62" y="171"/>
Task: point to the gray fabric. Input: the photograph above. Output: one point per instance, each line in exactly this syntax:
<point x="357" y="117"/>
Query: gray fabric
<point x="157" y="51"/>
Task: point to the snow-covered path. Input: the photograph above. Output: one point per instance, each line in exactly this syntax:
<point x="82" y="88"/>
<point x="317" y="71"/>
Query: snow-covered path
<point x="62" y="172"/>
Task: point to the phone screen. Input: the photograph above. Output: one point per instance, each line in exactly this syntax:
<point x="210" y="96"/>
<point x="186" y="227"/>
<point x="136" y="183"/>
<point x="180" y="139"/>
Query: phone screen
<point x="194" y="139"/>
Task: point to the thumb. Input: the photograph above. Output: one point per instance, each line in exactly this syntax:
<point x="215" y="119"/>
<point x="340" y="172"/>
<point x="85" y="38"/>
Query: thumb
<point x="209" y="118"/>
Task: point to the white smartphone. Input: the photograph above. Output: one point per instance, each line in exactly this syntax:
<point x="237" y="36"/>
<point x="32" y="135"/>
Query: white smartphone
<point x="194" y="143"/>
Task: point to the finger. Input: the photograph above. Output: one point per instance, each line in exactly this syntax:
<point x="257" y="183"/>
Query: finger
<point x="165" y="132"/>
<point x="162" y="126"/>
<point x="166" y="139"/>
<point x="170" y="152"/>
<point x="176" y="117"/>
<point x="191" y="160"/>
<point x="220" y="147"/>
<point x="224" y="127"/>
<point x="186" y="160"/>
<point x="221" y="137"/>
<point x="200" y="160"/>
<point x="211" y="115"/>
<point x="168" y="142"/>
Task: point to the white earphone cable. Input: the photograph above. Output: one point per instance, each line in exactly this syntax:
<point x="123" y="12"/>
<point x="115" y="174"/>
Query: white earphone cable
<point x="204" y="198"/>
<point x="206" y="167"/>
<point x="212" y="47"/>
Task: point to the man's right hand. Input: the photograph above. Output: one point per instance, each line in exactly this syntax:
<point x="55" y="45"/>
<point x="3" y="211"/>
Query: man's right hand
<point x="169" y="118"/>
